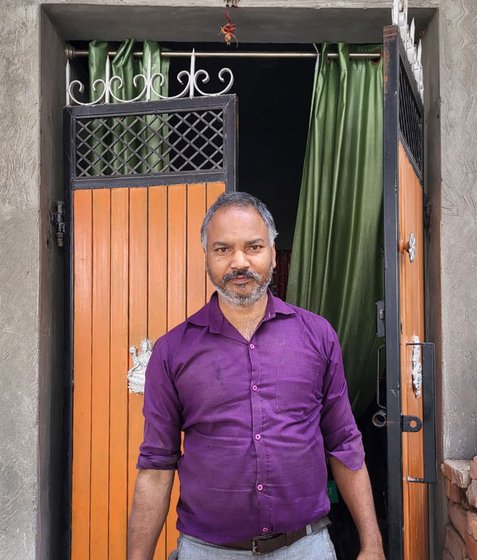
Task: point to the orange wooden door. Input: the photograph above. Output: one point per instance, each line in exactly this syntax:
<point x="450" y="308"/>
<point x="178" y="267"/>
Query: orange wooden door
<point x="411" y="290"/>
<point x="138" y="271"/>
<point x="409" y="378"/>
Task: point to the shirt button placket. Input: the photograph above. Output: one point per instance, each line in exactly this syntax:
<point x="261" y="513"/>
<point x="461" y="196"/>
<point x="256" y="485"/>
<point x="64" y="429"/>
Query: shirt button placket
<point x="255" y="398"/>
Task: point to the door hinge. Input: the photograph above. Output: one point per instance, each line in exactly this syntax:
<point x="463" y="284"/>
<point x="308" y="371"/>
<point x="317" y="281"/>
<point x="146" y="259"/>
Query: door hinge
<point x="57" y="218"/>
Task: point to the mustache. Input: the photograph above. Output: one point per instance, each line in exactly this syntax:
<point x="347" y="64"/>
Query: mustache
<point x="244" y="273"/>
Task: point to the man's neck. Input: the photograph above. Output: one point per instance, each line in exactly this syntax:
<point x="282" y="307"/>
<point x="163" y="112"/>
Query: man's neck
<point x="244" y="318"/>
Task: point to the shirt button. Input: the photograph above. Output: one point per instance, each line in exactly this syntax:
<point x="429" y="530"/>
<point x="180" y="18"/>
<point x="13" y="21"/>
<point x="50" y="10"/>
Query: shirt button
<point x="265" y="530"/>
<point x="252" y="346"/>
<point x="260" y="487"/>
<point x="254" y="388"/>
<point x="258" y="436"/>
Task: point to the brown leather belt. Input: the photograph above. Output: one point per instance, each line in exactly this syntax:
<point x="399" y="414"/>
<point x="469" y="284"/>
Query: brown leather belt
<point x="265" y="545"/>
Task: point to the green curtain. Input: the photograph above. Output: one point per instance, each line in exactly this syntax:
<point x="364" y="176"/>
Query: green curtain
<point x="337" y="264"/>
<point x="133" y="140"/>
<point x="97" y="53"/>
<point x="155" y="147"/>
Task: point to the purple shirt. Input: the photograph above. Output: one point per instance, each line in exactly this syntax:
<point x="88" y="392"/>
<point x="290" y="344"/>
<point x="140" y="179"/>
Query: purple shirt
<point x="259" y="417"/>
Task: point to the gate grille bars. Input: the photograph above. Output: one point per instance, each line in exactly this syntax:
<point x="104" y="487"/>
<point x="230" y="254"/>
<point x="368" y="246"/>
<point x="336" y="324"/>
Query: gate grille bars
<point x="411" y="119"/>
<point x="143" y="143"/>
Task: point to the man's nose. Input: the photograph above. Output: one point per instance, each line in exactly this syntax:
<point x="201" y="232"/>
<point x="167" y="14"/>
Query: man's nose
<point x="239" y="260"/>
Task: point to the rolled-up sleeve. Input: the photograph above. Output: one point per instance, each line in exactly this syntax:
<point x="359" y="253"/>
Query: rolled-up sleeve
<point x="341" y="436"/>
<point x="161" y="446"/>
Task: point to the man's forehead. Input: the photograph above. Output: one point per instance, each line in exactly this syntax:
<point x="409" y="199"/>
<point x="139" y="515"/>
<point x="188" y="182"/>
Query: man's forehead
<point x="230" y="239"/>
<point x="225" y="217"/>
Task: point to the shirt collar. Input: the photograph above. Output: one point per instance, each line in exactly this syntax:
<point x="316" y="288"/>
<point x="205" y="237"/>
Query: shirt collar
<point x="211" y="316"/>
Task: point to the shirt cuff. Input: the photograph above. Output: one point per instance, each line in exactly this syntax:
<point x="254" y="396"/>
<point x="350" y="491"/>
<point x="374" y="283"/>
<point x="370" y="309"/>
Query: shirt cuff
<point x="349" y="450"/>
<point x="157" y="463"/>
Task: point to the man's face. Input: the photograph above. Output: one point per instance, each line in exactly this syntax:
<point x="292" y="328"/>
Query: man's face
<point x="239" y="258"/>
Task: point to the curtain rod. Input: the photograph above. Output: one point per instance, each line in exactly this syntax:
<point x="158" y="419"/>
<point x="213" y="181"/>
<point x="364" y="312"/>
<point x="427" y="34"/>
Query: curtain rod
<point x="72" y="53"/>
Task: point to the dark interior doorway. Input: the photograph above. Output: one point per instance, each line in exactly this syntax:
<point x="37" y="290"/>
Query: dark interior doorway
<point x="273" y="124"/>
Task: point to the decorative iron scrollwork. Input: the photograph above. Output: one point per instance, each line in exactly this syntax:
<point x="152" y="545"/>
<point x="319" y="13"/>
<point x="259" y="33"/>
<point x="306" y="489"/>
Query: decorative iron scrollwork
<point x="191" y="79"/>
<point x="407" y="32"/>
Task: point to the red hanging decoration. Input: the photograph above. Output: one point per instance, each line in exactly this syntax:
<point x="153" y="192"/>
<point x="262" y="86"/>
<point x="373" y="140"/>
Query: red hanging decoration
<point x="228" y="30"/>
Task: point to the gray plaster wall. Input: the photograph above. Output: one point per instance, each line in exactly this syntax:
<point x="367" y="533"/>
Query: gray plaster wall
<point x="31" y="286"/>
<point x="19" y="278"/>
<point x="458" y="227"/>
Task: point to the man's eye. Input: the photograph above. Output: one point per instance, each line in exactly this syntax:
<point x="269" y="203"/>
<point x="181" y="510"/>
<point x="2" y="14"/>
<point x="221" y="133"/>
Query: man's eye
<point x="221" y="250"/>
<point x="255" y="247"/>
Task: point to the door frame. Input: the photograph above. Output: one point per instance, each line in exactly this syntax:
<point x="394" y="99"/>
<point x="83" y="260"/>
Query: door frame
<point x="390" y="200"/>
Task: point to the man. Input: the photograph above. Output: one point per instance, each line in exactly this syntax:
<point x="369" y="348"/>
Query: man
<point x="257" y="386"/>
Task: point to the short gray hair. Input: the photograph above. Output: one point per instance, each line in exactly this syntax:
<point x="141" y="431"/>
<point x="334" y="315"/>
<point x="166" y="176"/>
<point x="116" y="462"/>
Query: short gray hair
<point x="242" y="200"/>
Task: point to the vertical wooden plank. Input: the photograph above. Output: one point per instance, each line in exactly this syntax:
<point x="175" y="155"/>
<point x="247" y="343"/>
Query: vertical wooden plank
<point x="214" y="190"/>
<point x="82" y="301"/>
<point x="415" y="508"/>
<point x="119" y="366"/>
<point x="157" y="258"/>
<point x="157" y="287"/>
<point x="177" y="246"/>
<point x="100" y="375"/>
<point x="177" y="304"/>
<point x="196" y="276"/>
<point x="137" y="319"/>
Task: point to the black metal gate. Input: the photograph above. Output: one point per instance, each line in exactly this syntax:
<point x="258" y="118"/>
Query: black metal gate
<point x="139" y="143"/>
<point x="410" y="400"/>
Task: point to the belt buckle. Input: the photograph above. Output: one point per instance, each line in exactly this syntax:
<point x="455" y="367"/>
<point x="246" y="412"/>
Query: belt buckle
<point x="255" y="550"/>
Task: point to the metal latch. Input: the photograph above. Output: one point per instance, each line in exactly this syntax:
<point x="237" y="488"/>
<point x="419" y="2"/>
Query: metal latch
<point x="57" y="218"/>
<point x="411" y="423"/>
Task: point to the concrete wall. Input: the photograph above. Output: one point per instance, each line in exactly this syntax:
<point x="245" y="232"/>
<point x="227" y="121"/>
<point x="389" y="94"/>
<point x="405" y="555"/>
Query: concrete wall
<point x="31" y="344"/>
<point x="458" y="229"/>
<point x="19" y="277"/>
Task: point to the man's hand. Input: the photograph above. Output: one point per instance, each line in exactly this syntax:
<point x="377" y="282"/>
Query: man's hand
<point x="150" y="506"/>
<point x="355" y="488"/>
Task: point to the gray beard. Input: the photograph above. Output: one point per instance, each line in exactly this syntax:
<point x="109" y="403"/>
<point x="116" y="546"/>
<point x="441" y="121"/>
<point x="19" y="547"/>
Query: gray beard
<point x="245" y="300"/>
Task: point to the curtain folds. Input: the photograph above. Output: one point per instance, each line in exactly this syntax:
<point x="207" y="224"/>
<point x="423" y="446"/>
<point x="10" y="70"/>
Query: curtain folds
<point x="135" y="143"/>
<point x="337" y="260"/>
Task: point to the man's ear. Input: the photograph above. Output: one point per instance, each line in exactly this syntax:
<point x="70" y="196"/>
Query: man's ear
<point x="274" y="256"/>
